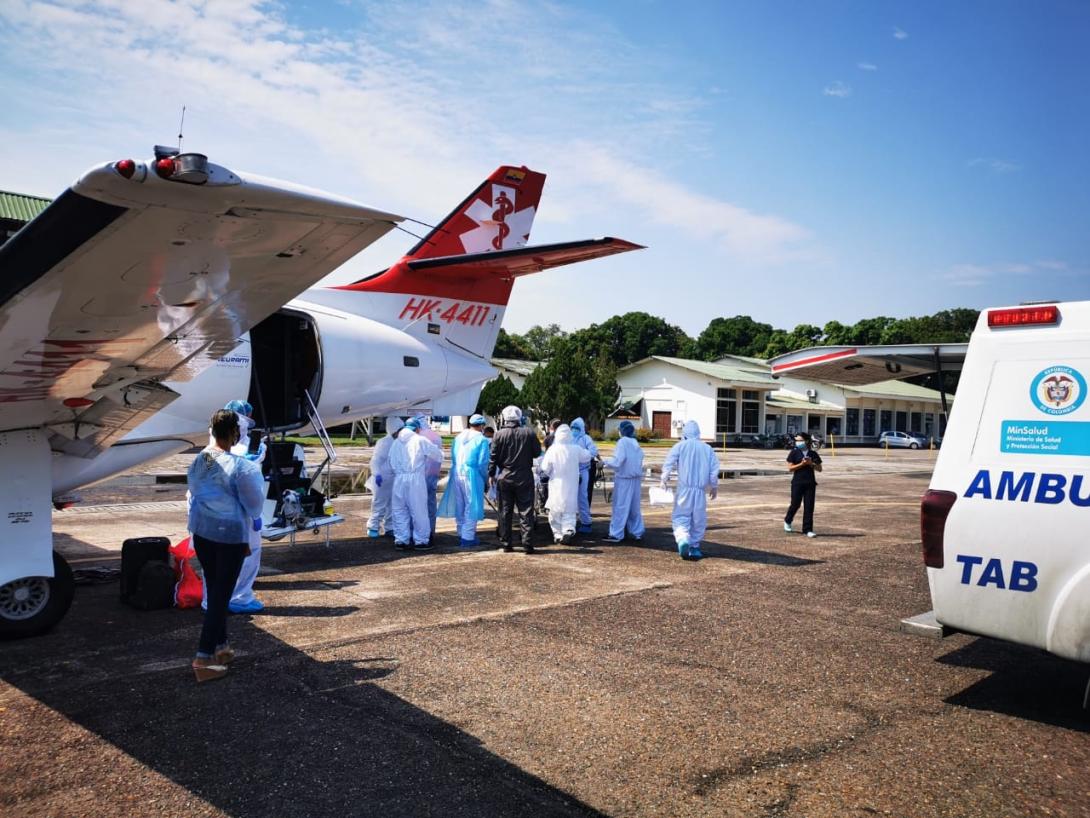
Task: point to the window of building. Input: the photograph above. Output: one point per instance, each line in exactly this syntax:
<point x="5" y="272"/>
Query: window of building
<point x="902" y="422"/>
<point x="751" y="411"/>
<point x="915" y="423"/>
<point x="886" y="424"/>
<point x="794" y="424"/>
<point x="868" y="423"/>
<point x="726" y="411"/>
<point x="852" y="422"/>
<point x="832" y="425"/>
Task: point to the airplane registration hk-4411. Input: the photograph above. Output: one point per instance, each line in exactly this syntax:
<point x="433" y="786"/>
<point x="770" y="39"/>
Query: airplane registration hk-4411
<point x="151" y="293"/>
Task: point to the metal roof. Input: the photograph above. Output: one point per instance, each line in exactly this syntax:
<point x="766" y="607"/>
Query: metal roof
<point x="756" y="376"/>
<point x="20" y="207"/>
<point x="868" y="364"/>
<point x="522" y="368"/>
<point x="775" y="401"/>
<point x="896" y="389"/>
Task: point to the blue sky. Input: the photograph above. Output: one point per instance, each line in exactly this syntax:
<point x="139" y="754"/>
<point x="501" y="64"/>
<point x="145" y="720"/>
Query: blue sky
<point x="797" y="162"/>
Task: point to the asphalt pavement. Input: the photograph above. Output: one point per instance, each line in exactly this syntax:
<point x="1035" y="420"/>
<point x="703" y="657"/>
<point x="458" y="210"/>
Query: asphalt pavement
<point x="770" y="679"/>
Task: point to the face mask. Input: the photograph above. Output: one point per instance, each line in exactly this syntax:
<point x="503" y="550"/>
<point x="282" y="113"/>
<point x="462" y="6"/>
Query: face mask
<point x="800" y="444"/>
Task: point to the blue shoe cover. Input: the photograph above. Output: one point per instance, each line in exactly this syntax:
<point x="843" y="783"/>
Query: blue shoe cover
<point x="695" y="553"/>
<point x="584" y="529"/>
<point x="373" y="533"/>
<point x="253" y="606"/>
<point x="466" y="543"/>
<point x="683" y="549"/>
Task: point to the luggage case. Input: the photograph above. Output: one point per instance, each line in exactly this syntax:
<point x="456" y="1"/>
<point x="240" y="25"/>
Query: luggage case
<point x="135" y="553"/>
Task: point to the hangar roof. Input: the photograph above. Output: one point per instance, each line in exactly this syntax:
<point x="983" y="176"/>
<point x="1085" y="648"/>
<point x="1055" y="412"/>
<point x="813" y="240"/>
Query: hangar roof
<point x="859" y="365"/>
<point x="19" y="207"/>
<point x="739" y="373"/>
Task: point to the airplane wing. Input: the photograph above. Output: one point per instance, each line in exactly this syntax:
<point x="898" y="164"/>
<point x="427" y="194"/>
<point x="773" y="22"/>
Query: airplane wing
<point x="863" y="365"/>
<point x="147" y="271"/>
<point x="523" y="260"/>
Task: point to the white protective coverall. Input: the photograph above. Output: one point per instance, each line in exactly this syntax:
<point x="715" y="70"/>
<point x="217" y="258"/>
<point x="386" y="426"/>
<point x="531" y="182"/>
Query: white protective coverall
<point x="627" y="461"/>
<point x="433" y="469"/>
<point x="562" y="464"/>
<point x="697" y="472"/>
<point x="582" y="439"/>
<point x="243" y="597"/>
<point x="408" y="458"/>
<point x="380" y="466"/>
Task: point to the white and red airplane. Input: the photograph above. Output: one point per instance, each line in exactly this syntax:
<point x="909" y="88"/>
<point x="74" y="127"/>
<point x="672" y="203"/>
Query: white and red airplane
<point x="151" y="293"/>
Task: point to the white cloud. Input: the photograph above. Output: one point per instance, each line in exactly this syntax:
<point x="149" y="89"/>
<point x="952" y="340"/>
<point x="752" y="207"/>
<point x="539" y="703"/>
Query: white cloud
<point x="994" y="165"/>
<point x="837" y="89"/>
<point x="867" y="66"/>
<point x="407" y="118"/>
<point x="973" y="275"/>
<point x="900" y="34"/>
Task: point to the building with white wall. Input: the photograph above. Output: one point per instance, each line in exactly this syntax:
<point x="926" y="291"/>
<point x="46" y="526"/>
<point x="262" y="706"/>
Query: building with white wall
<point x="726" y="399"/>
<point x="736" y="398"/>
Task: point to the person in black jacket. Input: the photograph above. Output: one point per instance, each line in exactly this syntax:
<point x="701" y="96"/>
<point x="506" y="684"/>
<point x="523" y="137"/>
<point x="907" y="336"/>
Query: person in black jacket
<point x="802" y="462"/>
<point x="514" y="449"/>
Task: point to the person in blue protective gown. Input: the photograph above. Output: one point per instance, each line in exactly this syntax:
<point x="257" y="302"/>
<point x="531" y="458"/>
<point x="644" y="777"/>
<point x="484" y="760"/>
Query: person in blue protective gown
<point x="433" y="467"/>
<point x="408" y="459"/>
<point x="561" y="465"/>
<point x="464" y="496"/>
<point x="627" y="464"/>
<point x="583" y="441"/>
<point x="382" y="500"/>
<point x="697" y="473"/>
<point x="243" y="599"/>
<point x="226" y="493"/>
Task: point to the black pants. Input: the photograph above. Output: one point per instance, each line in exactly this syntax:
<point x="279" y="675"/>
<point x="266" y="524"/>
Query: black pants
<point x="221" y="563"/>
<point x="522" y="497"/>
<point x="802" y="494"/>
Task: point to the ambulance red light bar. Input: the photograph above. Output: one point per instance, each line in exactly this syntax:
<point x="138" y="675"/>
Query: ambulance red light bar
<point x="1024" y="316"/>
<point x="934" y="509"/>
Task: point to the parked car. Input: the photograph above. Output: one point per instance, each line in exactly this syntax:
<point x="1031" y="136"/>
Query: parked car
<point x="903" y="440"/>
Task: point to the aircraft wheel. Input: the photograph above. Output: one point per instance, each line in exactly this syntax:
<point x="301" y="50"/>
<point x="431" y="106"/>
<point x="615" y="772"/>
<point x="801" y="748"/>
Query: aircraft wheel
<point x="32" y="605"/>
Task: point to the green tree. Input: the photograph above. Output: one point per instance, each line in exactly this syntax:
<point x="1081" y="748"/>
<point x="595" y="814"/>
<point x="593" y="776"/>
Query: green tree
<point x="632" y="337"/>
<point x="740" y="335"/>
<point x="572" y="384"/>
<point x="496" y="394"/>
<point x="836" y="334"/>
<point x="538" y="341"/>
<point x="511" y="346"/>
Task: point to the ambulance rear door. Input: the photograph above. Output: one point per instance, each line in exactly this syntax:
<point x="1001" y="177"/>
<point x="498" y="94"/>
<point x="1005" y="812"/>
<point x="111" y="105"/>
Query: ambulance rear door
<point x="1015" y="472"/>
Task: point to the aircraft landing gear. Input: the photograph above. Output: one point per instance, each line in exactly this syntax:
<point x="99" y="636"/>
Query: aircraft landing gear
<point x="32" y="605"/>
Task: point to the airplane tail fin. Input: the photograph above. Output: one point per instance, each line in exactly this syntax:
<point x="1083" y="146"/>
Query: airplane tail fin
<point x="497" y="215"/>
<point x="457" y="280"/>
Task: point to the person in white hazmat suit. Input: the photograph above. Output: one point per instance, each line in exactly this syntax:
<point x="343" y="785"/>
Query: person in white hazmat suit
<point x="464" y="496"/>
<point x="697" y="472"/>
<point x="433" y="469"/>
<point x="243" y="599"/>
<point x="627" y="463"/>
<point x="583" y="441"/>
<point x="562" y="464"/>
<point x="409" y="457"/>
<point x="384" y="481"/>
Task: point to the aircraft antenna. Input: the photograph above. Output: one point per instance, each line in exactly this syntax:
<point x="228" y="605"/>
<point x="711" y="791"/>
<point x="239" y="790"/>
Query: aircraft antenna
<point x="410" y="232"/>
<point x="181" y="126"/>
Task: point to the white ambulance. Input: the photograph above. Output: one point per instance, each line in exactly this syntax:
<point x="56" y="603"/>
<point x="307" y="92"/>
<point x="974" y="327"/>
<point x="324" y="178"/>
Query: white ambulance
<point x="1005" y="523"/>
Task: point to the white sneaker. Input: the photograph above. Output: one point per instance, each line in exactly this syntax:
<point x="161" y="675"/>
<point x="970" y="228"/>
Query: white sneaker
<point x="810" y="534"/>
<point x="787" y="527"/>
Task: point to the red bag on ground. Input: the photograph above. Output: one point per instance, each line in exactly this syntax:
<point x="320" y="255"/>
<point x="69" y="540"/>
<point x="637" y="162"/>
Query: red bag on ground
<point x="188" y="591"/>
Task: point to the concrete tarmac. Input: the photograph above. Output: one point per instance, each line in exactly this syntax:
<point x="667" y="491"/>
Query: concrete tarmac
<point x="770" y="679"/>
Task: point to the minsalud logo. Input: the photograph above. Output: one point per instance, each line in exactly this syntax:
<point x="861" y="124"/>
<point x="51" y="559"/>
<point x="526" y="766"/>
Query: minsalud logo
<point x="1058" y="390"/>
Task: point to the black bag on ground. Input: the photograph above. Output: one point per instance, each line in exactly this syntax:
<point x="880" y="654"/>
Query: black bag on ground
<point x="154" y="587"/>
<point x="135" y="553"/>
